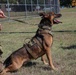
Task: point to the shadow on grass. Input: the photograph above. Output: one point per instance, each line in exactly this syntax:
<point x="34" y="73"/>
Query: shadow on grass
<point x="14" y="32"/>
<point x="29" y="64"/>
<point x="65" y="31"/>
<point x="69" y="47"/>
<point x="36" y="64"/>
<point x="35" y="32"/>
<point x="45" y="68"/>
<point x="20" y="21"/>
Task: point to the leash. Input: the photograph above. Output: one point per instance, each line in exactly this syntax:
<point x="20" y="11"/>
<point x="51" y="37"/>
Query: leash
<point x="26" y="41"/>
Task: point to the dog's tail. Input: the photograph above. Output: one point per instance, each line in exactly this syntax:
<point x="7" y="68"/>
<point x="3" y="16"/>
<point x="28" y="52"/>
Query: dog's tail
<point x="7" y="62"/>
<point x="1" y="66"/>
<point x="4" y="65"/>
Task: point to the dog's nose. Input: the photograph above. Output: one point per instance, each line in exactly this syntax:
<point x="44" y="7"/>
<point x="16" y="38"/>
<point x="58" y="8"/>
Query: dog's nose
<point x="59" y="15"/>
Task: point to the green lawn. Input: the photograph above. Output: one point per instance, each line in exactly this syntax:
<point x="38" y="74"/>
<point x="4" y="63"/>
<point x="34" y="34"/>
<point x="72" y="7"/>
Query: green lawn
<point x="14" y="33"/>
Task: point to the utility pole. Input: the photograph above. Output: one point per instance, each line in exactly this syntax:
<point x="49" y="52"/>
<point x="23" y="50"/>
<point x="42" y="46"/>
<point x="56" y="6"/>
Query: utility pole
<point x="8" y="10"/>
<point x="31" y="6"/>
<point x="25" y="8"/>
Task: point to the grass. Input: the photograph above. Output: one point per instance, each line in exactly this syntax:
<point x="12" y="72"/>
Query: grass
<point x="14" y="33"/>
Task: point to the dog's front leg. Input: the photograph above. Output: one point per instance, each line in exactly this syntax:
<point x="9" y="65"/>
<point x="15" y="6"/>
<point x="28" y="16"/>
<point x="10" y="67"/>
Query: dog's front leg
<point x="43" y="59"/>
<point x="49" y="56"/>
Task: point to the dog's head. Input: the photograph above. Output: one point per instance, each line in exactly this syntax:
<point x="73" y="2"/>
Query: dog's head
<point x="51" y="16"/>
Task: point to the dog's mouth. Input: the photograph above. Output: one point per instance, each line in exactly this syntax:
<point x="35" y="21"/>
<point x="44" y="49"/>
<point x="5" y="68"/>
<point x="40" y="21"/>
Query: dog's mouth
<point x="56" y="21"/>
<point x="58" y="15"/>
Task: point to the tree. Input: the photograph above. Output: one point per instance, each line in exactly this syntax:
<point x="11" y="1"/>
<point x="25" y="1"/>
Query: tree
<point x="10" y="1"/>
<point x="29" y="1"/>
<point x="3" y="1"/>
<point x="39" y="1"/>
<point x="66" y="3"/>
<point x="13" y="1"/>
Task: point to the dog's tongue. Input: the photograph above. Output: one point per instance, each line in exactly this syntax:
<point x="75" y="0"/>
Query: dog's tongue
<point x="57" y="21"/>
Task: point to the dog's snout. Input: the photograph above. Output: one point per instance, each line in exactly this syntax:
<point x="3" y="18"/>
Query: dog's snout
<point x="59" y="15"/>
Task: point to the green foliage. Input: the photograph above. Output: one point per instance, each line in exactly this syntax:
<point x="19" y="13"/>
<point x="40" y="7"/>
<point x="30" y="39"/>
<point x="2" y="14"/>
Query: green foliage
<point x="29" y="1"/>
<point x="10" y="1"/>
<point x="3" y="1"/>
<point x="62" y="2"/>
<point x="66" y="3"/>
<point x="39" y="1"/>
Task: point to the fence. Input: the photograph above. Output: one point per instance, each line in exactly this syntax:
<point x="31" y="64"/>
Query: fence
<point x="32" y="9"/>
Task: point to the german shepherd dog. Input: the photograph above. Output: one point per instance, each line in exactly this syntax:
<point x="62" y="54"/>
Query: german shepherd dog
<point x="38" y="46"/>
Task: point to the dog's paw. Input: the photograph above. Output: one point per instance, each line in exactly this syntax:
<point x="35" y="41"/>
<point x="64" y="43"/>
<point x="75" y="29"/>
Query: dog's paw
<point x="5" y="74"/>
<point x="54" y="69"/>
<point x="46" y="63"/>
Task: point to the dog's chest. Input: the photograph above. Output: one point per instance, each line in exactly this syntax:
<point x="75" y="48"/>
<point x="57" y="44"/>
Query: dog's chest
<point x="35" y="51"/>
<point x="34" y="47"/>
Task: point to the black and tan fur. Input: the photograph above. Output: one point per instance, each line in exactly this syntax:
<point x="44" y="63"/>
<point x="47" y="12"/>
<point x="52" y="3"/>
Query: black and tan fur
<point x="39" y="45"/>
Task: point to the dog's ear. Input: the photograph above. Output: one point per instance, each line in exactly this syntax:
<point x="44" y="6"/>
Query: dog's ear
<point x="42" y="14"/>
<point x="46" y="15"/>
<point x="51" y="13"/>
<point x="55" y="15"/>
